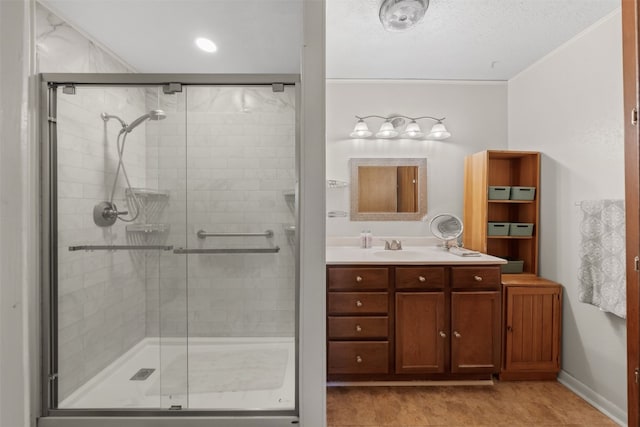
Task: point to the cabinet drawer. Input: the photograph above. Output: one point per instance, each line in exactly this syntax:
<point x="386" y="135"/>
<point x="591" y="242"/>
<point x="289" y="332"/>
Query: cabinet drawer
<point x="419" y="277"/>
<point x="358" y="327"/>
<point x="358" y="303"/>
<point x="364" y="278"/>
<point x="358" y="357"/>
<point x="475" y="277"/>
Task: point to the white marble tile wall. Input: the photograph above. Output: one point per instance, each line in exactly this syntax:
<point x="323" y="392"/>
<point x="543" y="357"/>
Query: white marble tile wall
<point x="101" y="301"/>
<point x="240" y="163"/>
<point x="62" y="49"/>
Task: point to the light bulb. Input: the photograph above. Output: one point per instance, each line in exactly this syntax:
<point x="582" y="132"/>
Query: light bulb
<point x="438" y="132"/>
<point x="387" y="131"/>
<point x="412" y="131"/>
<point x="361" y="130"/>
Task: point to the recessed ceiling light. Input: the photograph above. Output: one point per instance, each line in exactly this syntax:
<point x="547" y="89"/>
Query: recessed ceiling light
<point x="206" y="44"/>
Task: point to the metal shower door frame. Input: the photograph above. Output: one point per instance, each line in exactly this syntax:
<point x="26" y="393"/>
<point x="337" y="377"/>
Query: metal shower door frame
<point x="50" y="415"/>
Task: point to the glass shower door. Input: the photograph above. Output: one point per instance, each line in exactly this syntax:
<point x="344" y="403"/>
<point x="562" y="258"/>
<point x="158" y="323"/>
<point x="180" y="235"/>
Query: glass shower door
<point x="240" y="253"/>
<point x="119" y="299"/>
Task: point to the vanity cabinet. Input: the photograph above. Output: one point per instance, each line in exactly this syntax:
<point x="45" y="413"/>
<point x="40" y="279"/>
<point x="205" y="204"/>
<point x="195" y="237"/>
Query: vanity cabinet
<point x="421" y="335"/>
<point x="475" y="332"/>
<point x="424" y="322"/>
<point x="533" y="309"/>
<point x="358" y="320"/>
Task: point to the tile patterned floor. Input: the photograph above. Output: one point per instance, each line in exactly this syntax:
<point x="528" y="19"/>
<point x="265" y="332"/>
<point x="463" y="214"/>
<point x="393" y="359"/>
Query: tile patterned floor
<point x="503" y="404"/>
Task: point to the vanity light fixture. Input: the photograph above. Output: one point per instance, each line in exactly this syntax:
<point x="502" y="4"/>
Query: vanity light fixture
<point x="206" y="44"/>
<point x="390" y="128"/>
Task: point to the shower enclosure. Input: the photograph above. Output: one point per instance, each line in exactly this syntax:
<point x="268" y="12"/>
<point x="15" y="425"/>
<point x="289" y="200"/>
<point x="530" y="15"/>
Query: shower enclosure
<point x="171" y="246"/>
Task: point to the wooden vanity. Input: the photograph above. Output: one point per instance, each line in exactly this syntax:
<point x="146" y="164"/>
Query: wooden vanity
<point x="425" y="314"/>
<point x="414" y="321"/>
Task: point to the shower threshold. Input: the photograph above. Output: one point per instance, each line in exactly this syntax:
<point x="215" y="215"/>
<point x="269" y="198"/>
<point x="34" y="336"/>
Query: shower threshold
<point x="208" y="374"/>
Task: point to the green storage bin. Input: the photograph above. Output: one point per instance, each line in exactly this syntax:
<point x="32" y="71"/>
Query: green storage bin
<point x="498" y="229"/>
<point x="512" y="267"/>
<point x="520" y="229"/>
<point x="523" y="193"/>
<point x="499" y="193"/>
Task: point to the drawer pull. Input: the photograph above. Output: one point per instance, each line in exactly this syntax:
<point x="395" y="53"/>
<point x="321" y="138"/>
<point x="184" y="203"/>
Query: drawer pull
<point x="477" y="278"/>
<point x="358" y="359"/>
<point x="442" y="334"/>
<point x="358" y="279"/>
<point x="456" y="334"/>
<point x="358" y="303"/>
<point x="422" y="279"/>
<point x="358" y="328"/>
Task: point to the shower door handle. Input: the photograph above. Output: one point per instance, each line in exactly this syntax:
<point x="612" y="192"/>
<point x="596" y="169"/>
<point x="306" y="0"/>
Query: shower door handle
<point x="273" y="250"/>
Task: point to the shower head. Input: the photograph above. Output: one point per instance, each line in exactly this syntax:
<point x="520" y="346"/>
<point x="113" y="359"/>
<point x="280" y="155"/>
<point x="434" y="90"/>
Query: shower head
<point x="106" y="117"/>
<point x="151" y="115"/>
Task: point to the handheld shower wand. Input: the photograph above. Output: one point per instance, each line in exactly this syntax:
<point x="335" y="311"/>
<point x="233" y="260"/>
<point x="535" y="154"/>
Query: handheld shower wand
<point x="106" y="213"/>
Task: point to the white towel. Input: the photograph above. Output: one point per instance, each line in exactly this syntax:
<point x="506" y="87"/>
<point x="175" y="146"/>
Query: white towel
<point x="602" y="256"/>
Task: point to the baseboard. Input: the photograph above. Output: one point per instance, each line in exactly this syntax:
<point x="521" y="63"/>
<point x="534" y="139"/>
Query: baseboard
<point x="439" y="383"/>
<point x="618" y="415"/>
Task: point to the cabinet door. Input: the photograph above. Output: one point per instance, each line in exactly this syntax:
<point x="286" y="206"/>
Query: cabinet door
<point x="421" y="336"/>
<point x="475" y="332"/>
<point x="533" y="329"/>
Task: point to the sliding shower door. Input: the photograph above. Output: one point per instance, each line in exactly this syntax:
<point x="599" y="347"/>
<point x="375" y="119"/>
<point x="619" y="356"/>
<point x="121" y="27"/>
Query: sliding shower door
<point x="120" y="321"/>
<point x="241" y="147"/>
<point x="173" y="251"/>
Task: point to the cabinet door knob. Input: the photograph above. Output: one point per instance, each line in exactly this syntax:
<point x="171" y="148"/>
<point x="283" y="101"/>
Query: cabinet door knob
<point x="442" y="334"/>
<point x="456" y="334"/>
<point x="477" y="278"/>
<point x="358" y="328"/>
<point x="509" y="329"/>
<point x="422" y="279"/>
<point x="358" y="303"/>
<point x="358" y="279"/>
<point x="358" y="359"/>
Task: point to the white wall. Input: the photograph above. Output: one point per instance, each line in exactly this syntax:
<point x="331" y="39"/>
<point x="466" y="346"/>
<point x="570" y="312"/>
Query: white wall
<point x="476" y="115"/>
<point x="18" y="204"/>
<point x="569" y="106"/>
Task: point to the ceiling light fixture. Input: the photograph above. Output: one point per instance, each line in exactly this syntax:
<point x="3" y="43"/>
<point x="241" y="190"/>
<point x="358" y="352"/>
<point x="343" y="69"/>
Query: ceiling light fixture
<point x="390" y="128"/>
<point x="399" y="15"/>
<point x="206" y="44"/>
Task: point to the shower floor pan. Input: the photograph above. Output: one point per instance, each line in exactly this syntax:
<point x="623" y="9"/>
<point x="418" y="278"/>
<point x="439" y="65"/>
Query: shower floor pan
<point x="223" y="374"/>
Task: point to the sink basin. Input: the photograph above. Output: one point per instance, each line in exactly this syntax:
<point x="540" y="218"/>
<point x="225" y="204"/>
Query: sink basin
<point x="400" y="255"/>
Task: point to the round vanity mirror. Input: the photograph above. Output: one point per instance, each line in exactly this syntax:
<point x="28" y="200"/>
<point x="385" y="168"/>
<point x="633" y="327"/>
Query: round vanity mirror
<point x="446" y="227"/>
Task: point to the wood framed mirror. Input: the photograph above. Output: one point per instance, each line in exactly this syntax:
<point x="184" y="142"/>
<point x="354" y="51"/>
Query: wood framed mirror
<point x="388" y="189"/>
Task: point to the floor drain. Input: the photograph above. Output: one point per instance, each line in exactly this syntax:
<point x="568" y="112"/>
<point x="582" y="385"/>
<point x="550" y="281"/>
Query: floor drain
<point x="142" y="374"/>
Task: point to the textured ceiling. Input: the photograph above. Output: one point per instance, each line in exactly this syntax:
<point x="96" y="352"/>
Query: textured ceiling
<point x="458" y="39"/>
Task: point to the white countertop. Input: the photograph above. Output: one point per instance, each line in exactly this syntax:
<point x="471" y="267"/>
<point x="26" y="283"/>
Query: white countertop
<point x="424" y="255"/>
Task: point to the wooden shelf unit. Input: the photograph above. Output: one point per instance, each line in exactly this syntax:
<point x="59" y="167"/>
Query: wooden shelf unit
<point x="502" y="168"/>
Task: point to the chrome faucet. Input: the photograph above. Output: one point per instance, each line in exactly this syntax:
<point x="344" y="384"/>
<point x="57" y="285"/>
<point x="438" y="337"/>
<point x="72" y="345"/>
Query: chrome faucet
<point x="395" y="245"/>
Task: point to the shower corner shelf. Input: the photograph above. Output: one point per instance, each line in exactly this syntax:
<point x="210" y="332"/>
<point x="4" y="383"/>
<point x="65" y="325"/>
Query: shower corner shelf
<point x="334" y="183"/>
<point x="289" y="229"/>
<point x="148" y="228"/>
<point x="289" y="195"/>
<point x="148" y="193"/>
